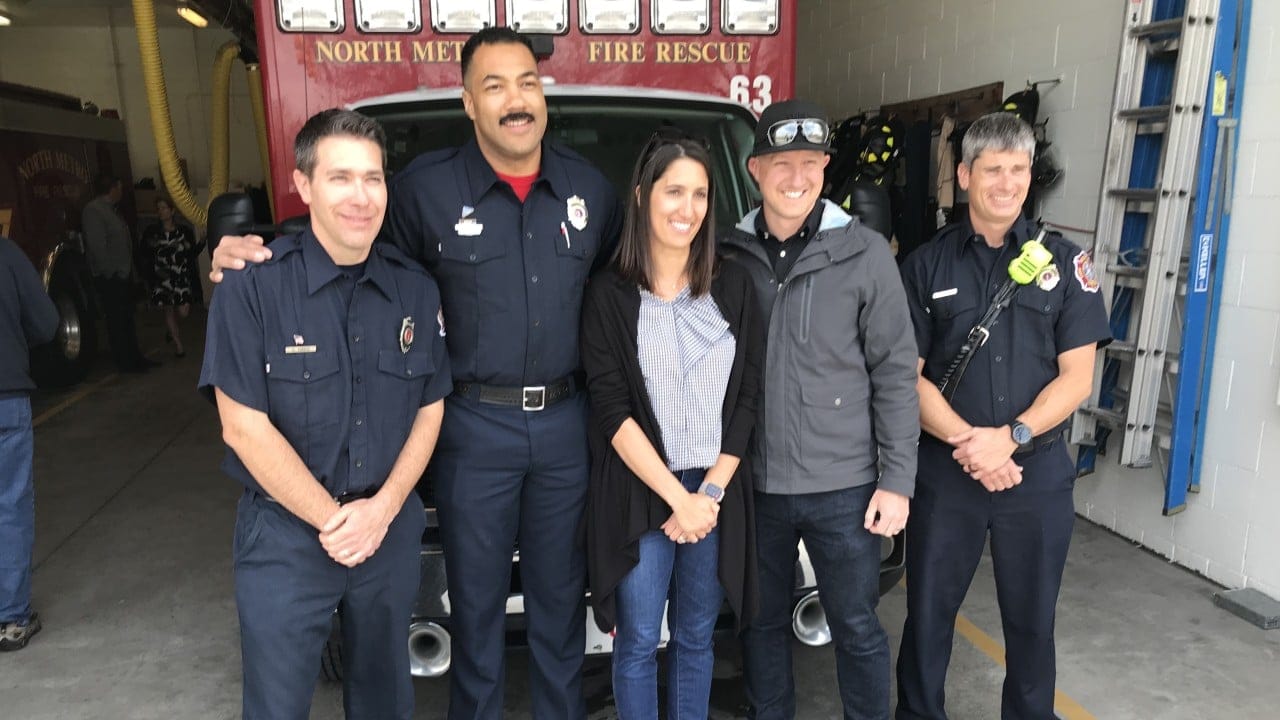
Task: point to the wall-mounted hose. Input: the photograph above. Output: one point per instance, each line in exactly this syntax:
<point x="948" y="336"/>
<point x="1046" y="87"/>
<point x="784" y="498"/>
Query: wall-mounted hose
<point x="144" y="17"/>
<point x="254" y="72"/>
<point x="220" y="124"/>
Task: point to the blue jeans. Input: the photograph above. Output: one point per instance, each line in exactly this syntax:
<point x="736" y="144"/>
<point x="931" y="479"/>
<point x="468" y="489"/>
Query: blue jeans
<point x="846" y="562"/>
<point x="684" y="575"/>
<point x="17" y="509"/>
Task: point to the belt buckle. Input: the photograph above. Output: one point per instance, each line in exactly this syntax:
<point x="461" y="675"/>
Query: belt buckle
<point x="533" y="398"/>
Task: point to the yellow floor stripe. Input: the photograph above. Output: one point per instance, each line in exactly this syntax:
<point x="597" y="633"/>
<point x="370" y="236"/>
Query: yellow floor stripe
<point x="1066" y="707"/>
<point x="79" y="395"/>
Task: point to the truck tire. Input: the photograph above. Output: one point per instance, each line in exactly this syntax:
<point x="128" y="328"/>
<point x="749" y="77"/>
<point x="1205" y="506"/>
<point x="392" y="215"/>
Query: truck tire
<point x="66" y="360"/>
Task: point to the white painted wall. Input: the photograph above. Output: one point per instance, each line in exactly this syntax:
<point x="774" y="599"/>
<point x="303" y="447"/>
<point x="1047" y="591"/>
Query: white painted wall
<point x="858" y="55"/>
<point x="862" y="54"/>
<point x="97" y="59"/>
<point x="1231" y="530"/>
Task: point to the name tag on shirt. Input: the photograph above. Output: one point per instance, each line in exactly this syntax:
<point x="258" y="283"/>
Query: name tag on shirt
<point x="299" y="349"/>
<point x="468" y="227"/>
<point x="945" y="293"/>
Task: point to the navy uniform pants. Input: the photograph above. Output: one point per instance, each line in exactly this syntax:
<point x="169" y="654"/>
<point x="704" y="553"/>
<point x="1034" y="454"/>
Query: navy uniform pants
<point x="1030" y="529"/>
<point x="287" y="589"/>
<point x="501" y="476"/>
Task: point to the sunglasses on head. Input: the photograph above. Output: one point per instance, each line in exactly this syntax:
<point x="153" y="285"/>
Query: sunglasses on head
<point x="785" y="132"/>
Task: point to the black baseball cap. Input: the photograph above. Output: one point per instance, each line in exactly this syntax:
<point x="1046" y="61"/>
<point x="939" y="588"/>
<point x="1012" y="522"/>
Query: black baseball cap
<point x="792" y="125"/>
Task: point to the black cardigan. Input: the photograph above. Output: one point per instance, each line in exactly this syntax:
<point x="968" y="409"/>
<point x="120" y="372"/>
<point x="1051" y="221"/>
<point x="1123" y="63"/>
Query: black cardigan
<point x="620" y="507"/>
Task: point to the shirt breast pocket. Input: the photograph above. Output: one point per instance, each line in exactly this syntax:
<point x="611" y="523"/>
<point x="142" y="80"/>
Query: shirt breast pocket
<point x="402" y="378"/>
<point x="1035" y="318"/>
<point x="474" y="267"/>
<point x="573" y="263"/>
<point x="303" y="395"/>
<point x="953" y="318"/>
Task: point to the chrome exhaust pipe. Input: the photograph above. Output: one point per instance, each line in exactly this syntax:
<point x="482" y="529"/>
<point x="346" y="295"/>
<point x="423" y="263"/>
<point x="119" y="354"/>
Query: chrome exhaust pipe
<point x="809" y="621"/>
<point x="429" y="650"/>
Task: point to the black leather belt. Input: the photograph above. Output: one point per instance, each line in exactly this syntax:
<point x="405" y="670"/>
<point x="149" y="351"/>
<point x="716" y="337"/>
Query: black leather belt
<point x="530" y="398"/>
<point x="341" y="498"/>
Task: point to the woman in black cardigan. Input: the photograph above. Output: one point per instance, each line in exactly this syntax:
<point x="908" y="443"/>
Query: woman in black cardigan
<point x="671" y="349"/>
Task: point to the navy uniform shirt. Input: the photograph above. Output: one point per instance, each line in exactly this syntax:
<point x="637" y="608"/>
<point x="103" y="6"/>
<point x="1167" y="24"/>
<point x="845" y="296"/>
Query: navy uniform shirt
<point x="511" y="275"/>
<point x="340" y="362"/>
<point x="950" y="283"/>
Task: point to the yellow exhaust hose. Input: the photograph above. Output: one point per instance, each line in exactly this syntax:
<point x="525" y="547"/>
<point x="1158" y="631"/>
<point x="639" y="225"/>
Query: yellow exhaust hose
<point x="144" y="17"/>
<point x="220" y="124"/>
<point x="254" y="73"/>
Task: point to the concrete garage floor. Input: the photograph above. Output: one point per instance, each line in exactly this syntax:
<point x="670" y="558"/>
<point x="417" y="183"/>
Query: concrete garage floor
<point x="133" y="582"/>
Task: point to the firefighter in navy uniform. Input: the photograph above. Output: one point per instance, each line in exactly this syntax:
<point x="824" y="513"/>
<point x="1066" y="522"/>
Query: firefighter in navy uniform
<point x="993" y="458"/>
<point x="329" y="370"/>
<point x="510" y="226"/>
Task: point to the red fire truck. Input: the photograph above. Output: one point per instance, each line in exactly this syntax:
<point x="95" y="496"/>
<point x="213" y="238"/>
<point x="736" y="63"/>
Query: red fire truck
<point x="614" y="70"/>
<point x="50" y="151"/>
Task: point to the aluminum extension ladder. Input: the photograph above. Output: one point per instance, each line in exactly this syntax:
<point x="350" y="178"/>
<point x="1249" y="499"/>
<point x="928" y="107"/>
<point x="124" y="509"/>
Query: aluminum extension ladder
<point x="1141" y="244"/>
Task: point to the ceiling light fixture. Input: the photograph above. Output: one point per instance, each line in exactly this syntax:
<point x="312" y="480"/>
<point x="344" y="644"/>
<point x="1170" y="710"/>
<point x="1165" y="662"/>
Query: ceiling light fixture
<point x="4" y="20"/>
<point x="191" y="15"/>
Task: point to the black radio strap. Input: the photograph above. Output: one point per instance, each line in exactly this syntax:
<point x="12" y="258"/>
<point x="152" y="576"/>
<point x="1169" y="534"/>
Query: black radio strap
<point x="976" y="339"/>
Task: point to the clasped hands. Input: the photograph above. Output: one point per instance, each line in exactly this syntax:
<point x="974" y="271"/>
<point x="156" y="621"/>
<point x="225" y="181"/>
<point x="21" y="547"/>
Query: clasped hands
<point x="986" y="454"/>
<point x="693" y="518"/>
<point x="354" y="532"/>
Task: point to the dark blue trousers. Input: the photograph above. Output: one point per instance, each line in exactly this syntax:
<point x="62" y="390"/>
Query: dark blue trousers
<point x="503" y="475"/>
<point x="846" y="563"/>
<point x="287" y="589"/>
<point x="1030" y="529"/>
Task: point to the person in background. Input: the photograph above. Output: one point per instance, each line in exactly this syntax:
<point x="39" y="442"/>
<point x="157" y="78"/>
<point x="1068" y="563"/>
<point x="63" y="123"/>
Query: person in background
<point x="27" y="318"/>
<point x="671" y="348"/>
<point x="109" y="245"/>
<point x="172" y="247"/>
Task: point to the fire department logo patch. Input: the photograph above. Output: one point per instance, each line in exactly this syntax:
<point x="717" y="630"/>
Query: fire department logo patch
<point x="1085" y="274"/>
<point x="406" y="334"/>
<point x="1048" y="278"/>
<point x="576" y="209"/>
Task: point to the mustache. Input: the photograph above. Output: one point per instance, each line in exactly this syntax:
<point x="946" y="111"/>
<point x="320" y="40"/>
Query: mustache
<point x="515" y="117"/>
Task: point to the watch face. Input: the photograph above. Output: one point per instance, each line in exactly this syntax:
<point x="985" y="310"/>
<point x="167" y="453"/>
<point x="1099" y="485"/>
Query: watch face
<point x="1021" y="434"/>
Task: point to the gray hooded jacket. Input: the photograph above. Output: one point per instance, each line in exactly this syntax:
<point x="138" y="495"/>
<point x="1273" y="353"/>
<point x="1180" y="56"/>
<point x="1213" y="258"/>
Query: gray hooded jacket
<point x="839" y="407"/>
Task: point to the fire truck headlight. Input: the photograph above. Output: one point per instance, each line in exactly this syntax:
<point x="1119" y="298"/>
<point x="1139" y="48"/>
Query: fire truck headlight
<point x="749" y="17"/>
<point x="538" y="16"/>
<point x="615" y="17"/>
<point x="461" y="16"/>
<point x="310" y="15"/>
<point x="682" y="17"/>
<point x="389" y="16"/>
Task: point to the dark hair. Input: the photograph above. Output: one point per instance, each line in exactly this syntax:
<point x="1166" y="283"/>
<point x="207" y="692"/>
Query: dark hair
<point x="165" y="199"/>
<point x="334" y="121"/>
<point x="632" y="258"/>
<point x="491" y="36"/>
<point x="103" y="183"/>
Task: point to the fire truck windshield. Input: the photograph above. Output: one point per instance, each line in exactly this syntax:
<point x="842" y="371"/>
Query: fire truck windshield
<point x="607" y="131"/>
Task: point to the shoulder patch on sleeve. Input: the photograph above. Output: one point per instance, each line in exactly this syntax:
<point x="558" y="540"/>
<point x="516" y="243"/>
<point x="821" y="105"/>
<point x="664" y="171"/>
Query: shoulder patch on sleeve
<point x="1085" y="273"/>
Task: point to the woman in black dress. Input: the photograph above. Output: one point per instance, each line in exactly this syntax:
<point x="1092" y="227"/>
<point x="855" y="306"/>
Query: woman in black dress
<point x="172" y="246"/>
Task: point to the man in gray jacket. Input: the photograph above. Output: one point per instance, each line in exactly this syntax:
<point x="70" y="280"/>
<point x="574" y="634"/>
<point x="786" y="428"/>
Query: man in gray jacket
<point x="834" y="459"/>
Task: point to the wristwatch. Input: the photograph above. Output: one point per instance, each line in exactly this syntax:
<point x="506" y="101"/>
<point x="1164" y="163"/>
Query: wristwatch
<point x="711" y="490"/>
<point x="1021" y="433"/>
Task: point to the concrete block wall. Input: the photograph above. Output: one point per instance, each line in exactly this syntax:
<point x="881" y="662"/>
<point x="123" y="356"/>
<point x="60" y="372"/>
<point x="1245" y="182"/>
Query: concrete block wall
<point x="1230" y="531"/>
<point x="858" y="55"/>
<point x="96" y="58"/>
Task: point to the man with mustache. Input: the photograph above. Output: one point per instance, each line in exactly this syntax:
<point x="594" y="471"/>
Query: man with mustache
<point x="510" y="225"/>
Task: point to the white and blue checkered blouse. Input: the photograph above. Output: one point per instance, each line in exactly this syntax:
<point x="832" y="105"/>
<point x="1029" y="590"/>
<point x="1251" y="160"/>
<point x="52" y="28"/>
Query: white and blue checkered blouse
<point x="686" y="354"/>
